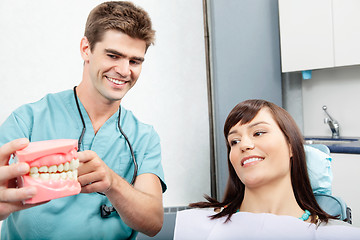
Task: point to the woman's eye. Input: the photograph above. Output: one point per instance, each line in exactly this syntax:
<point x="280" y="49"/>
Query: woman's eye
<point x="234" y="142"/>
<point x="259" y="133"/>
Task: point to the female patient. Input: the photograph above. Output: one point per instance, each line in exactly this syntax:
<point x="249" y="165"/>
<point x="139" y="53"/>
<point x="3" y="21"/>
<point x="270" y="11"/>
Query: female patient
<point x="268" y="194"/>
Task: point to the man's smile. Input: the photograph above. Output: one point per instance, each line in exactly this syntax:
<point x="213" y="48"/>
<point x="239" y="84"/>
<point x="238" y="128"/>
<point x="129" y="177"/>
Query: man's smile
<point x="116" y="81"/>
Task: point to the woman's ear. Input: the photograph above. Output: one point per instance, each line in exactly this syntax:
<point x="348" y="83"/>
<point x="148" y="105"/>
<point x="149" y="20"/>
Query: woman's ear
<point x="290" y="150"/>
<point x="85" y="48"/>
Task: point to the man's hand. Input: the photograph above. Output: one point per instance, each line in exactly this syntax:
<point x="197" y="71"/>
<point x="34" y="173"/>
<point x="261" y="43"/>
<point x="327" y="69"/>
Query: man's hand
<point x="139" y="206"/>
<point x="11" y="197"/>
<point x="94" y="174"/>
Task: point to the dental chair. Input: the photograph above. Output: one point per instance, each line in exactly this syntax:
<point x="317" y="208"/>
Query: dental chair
<point x="333" y="205"/>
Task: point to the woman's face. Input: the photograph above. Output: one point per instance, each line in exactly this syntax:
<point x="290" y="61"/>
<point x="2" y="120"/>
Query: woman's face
<point x="259" y="151"/>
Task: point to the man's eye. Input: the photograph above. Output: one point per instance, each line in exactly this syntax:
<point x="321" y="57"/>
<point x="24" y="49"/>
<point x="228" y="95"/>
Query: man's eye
<point x="133" y="62"/>
<point x="112" y="56"/>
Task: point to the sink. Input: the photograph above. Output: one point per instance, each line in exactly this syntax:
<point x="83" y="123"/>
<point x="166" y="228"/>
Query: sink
<point x="350" y="145"/>
<point x="330" y="141"/>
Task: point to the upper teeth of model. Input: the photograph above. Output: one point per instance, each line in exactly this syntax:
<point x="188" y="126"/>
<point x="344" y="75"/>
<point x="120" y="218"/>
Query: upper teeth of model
<point x="64" y="171"/>
<point x="252" y="160"/>
<point x="115" y="81"/>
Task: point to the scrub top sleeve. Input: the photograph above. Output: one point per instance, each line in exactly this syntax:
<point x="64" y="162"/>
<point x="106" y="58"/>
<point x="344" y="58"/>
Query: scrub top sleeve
<point x="13" y="128"/>
<point x="152" y="159"/>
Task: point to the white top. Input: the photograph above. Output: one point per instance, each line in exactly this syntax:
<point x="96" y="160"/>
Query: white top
<point x="196" y="224"/>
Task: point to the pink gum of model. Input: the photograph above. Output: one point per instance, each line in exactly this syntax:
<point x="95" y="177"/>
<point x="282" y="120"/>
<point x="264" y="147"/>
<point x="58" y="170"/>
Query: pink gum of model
<point x="48" y="153"/>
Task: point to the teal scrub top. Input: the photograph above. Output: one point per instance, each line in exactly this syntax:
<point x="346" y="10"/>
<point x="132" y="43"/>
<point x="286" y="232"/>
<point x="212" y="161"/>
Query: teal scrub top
<point x="78" y="217"/>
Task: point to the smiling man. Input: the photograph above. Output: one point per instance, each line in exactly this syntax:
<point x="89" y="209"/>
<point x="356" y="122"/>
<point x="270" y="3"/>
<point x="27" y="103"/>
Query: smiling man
<point x="120" y="170"/>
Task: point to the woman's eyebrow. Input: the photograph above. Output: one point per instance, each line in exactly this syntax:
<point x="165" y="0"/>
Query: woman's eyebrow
<point x="232" y="132"/>
<point x="250" y="126"/>
<point x="258" y="123"/>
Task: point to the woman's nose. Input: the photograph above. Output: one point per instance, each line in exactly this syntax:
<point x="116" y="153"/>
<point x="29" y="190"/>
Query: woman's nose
<point x="246" y="144"/>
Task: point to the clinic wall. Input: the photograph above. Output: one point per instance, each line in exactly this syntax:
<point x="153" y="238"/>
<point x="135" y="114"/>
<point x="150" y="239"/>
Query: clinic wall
<point x="245" y="55"/>
<point x="338" y="89"/>
<point x="39" y="45"/>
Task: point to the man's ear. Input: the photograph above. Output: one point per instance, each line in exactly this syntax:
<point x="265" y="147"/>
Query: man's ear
<point x="85" y="48"/>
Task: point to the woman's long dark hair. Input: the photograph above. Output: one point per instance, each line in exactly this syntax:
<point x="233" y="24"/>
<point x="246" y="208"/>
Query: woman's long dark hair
<point x="244" y="112"/>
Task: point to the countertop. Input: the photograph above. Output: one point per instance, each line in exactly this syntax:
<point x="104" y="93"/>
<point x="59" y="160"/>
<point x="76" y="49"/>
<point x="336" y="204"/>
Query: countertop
<point x="352" y="147"/>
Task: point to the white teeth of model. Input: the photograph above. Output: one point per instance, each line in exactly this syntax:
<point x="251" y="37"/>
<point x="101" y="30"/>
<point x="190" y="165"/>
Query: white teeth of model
<point x="70" y="175"/>
<point x="71" y="166"/>
<point x="34" y="170"/>
<point x="45" y="176"/>
<point x="55" y="176"/>
<point x="63" y="175"/>
<point x="66" y="171"/>
<point x="34" y="175"/>
<point x="53" y="169"/>
<point x="74" y="174"/>
<point x="60" y="167"/>
<point x="43" y="169"/>
<point x="66" y="166"/>
<point x="74" y="164"/>
<point x="77" y="163"/>
<point x="52" y="174"/>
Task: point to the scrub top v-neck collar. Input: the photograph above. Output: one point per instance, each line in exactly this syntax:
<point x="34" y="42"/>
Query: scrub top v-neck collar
<point x="90" y="138"/>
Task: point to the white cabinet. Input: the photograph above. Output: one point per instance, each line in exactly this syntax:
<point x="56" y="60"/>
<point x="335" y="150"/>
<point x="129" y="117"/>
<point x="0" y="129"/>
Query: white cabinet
<point x="319" y="34"/>
<point x="346" y="32"/>
<point x="306" y="34"/>
<point x="346" y="172"/>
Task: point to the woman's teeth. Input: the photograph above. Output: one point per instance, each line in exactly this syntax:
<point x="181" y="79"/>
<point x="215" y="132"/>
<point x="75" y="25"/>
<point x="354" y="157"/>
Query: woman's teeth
<point x="252" y="160"/>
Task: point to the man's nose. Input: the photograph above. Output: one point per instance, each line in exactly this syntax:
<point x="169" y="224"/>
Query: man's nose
<point x="123" y="68"/>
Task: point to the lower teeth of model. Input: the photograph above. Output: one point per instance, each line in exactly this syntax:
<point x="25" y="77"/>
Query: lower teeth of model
<point x="70" y="175"/>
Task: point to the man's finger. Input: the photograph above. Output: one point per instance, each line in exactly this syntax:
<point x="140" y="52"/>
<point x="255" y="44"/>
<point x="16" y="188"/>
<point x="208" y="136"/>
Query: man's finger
<point x="17" y="206"/>
<point x="17" y="194"/>
<point x="9" y="148"/>
<point x="86" y="156"/>
<point x="13" y="171"/>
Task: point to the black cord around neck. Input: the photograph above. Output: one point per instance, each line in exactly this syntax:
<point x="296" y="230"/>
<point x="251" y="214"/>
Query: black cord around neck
<point x="131" y="149"/>
<point x="82" y="119"/>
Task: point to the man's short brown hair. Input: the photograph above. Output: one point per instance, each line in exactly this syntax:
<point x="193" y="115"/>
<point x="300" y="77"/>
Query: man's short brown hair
<point x="121" y="16"/>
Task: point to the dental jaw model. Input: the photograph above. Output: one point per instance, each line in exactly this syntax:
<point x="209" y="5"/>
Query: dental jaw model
<point x="53" y="169"/>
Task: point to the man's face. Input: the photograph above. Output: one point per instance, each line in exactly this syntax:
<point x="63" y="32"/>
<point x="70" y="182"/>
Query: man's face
<point x="114" y="65"/>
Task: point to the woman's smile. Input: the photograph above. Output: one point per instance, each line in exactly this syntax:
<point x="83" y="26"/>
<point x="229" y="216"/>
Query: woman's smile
<point x="251" y="160"/>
